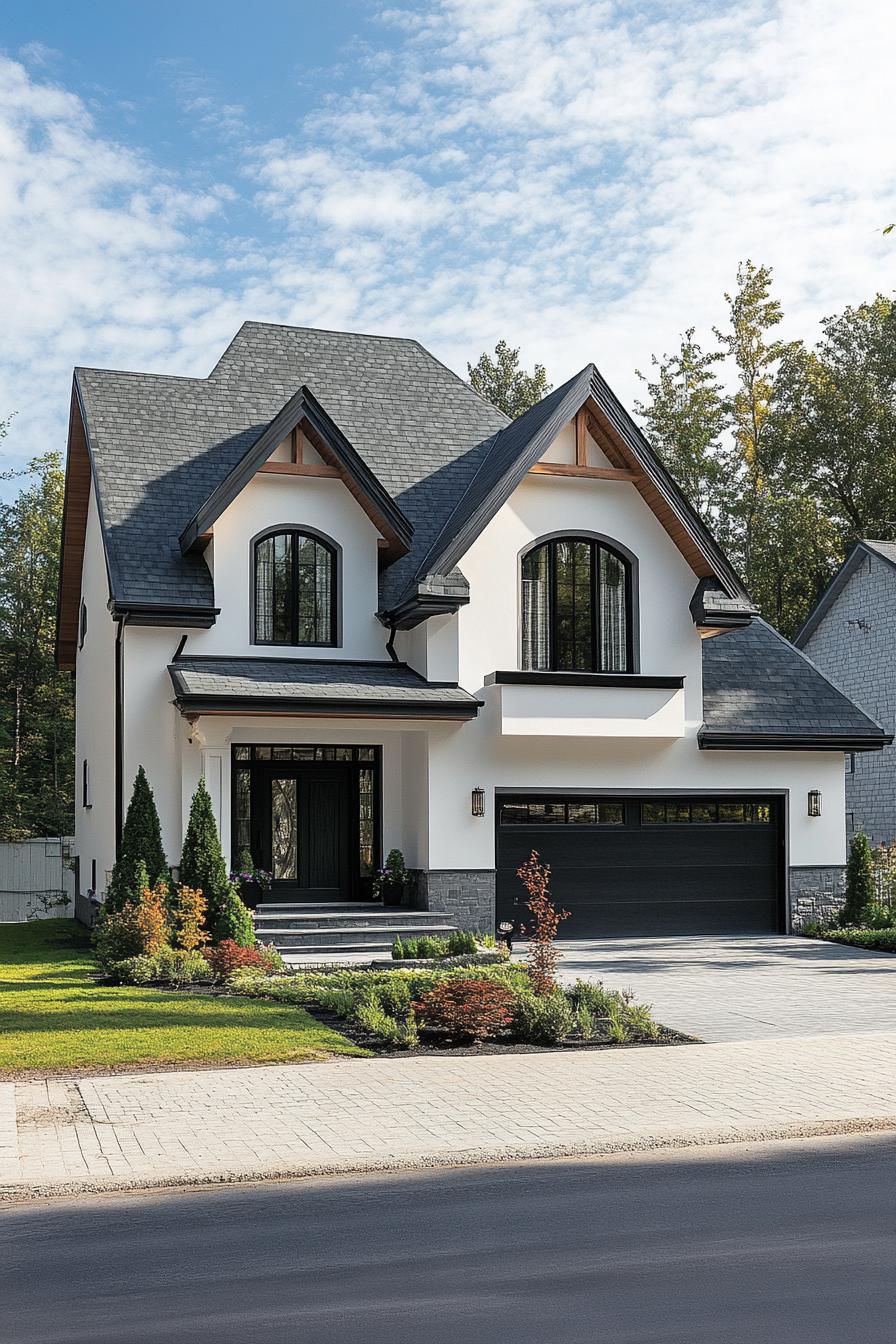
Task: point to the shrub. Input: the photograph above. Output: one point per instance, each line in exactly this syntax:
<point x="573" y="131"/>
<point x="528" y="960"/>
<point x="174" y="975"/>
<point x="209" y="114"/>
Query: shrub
<point x="461" y="942"/>
<point x="172" y="965"/>
<point x="202" y="861"/>
<point x="860" y="888"/>
<point x="372" y="1017"/>
<point x="234" y="920"/>
<point x="117" y="936"/>
<point x="640" y="1021"/>
<point x="393" y="874"/>
<point x="876" y="940"/>
<point x="152" y="917"/>
<point x="878" y="916"/>
<point x="591" y="994"/>
<point x="542" y="1019"/>
<point x="141" y="842"/>
<point x="585" y="1023"/>
<point x="542" y="955"/>
<point x="466" y="1009"/>
<point x="230" y="956"/>
<point x="186" y="908"/>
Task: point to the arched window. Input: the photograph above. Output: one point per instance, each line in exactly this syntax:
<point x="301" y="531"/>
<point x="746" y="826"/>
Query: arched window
<point x="295" y="589"/>
<point x="576" y="607"/>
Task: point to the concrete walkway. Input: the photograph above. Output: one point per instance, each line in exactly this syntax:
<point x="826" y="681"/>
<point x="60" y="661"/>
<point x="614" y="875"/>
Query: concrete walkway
<point x="741" y="989"/>
<point x="240" y="1124"/>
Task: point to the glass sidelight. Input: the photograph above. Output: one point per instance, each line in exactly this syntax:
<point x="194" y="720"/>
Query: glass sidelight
<point x="284" y="829"/>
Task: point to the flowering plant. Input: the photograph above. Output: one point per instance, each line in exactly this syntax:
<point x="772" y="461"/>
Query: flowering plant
<point x="246" y="872"/>
<point x="393" y="875"/>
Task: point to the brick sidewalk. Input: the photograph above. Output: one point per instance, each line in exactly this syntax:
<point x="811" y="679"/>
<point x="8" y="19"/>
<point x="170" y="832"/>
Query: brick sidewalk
<point x="169" y="1128"/>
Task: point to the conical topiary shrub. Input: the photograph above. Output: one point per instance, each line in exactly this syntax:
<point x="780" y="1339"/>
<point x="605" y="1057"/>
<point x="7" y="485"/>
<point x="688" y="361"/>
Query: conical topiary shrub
<point x="202" y="861"/>
<point x="141" y="842"/>
<point x="860" y="888"/>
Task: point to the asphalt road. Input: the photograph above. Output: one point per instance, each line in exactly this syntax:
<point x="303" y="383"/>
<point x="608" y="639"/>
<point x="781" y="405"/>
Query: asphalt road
<point x="750" y="1244"/>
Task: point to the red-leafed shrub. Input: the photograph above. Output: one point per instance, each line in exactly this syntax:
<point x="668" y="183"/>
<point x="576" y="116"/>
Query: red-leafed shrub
<point x="229" y="956"/>
<point x="543" y="955"/>
<point x="466" y="1010"/>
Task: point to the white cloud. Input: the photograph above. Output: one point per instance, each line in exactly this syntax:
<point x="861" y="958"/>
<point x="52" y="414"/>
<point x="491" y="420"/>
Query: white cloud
<point x="578" y="176"/>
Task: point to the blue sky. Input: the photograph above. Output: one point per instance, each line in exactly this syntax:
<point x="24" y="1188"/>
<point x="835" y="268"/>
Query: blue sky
<point x="580" y="177"/>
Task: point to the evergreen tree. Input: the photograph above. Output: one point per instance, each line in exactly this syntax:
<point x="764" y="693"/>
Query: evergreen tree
<point x="685" y="420"/>
<point x="860" y="889"/>
<point x="37" y="739"/>
<point x="234" y="920"/>
<point x="502" y="382"/>
<point x="141" y="843"/>
<point x="202" y="863"/>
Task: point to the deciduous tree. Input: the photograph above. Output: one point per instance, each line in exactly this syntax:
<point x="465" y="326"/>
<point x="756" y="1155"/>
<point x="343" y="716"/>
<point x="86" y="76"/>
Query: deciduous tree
<point x="502" y="382"/>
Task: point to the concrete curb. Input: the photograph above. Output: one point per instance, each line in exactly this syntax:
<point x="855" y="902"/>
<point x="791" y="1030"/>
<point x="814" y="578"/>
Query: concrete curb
<point x="682" y="1140"/>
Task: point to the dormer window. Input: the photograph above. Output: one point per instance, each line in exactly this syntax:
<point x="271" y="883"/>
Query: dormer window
<point x="295" y="589"/>
<point x="576" y="607"/>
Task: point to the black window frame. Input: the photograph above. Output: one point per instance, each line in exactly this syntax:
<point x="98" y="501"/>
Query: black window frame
<point x="82" y="624"/>
<point x="297" y="534"/>
<point x="85" y="784"/>
<point x="596" y="544"/>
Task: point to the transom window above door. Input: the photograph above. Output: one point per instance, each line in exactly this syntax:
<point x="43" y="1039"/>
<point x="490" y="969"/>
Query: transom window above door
<point x="576" y="607"/>
<point x="295" y="589"/>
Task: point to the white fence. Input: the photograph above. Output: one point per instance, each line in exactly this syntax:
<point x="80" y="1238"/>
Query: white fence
<point x="34" y="876"/>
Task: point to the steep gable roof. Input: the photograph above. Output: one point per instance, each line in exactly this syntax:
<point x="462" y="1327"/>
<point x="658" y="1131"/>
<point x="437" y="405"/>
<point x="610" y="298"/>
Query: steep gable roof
<point x="880" y="550"/>
<point x="761" y="692"/>
<point x="428" y="457"/>
<point x="519" y="446"/>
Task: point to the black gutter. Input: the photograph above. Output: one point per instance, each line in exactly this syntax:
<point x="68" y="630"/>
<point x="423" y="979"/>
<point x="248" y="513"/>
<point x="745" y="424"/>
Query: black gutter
<point x="151" y="613"/>
<point x="718" y="741"/>
<point x="639" y="680"/>
<point x="374" y="709"/>
<point x="119" y="732"/>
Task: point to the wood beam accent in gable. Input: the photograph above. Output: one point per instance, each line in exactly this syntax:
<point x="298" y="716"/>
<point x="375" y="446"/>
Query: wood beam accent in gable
<point x="616" y="452"/>
<point x="581" y="439"/>
<point x="74" y="534"/>
<point x="298" y="469"/>
<point x="595" y="473"/>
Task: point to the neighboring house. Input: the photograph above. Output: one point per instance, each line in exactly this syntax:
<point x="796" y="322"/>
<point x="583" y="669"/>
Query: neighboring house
<point x="372" y="612"/>
<point x="851" y="635"/>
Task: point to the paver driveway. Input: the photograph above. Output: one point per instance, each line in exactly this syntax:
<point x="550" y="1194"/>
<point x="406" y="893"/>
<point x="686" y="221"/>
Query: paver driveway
<point x="748" y="988"/>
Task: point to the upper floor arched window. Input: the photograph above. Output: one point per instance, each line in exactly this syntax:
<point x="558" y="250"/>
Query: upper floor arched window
<point x="295" y="589"/>
<point x="576" y="607"/>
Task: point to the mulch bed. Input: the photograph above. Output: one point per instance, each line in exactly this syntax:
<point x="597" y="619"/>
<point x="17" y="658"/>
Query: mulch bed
<point x="433" y="1044"/>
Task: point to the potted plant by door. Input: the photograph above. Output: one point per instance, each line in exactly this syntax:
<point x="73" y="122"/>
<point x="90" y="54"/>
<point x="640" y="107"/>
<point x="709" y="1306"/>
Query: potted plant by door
<point x="391" y="880"/>
<point x="253" y="882"/>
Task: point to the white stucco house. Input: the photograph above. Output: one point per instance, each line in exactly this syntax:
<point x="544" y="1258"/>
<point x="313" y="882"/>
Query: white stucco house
<point x="374" y="613"/>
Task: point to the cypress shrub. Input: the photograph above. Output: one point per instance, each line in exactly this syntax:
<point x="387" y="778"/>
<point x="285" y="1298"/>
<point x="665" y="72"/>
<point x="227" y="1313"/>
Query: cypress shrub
<point x="234" y="920"/>
<point x="141" y="843"/>
<point x="202" y="863"/>
<point x="860" y="888"/>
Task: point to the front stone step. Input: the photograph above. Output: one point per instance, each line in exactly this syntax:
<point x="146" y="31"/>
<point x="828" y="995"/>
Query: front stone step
<point x="294" y="919"/>
<point x="360" y="936"/>
<point x="316" y="933"/>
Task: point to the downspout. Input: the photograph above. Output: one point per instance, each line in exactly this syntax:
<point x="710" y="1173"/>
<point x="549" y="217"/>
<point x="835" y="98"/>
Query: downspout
<point x="119" y="731"/>
<point x="390" y="646"/>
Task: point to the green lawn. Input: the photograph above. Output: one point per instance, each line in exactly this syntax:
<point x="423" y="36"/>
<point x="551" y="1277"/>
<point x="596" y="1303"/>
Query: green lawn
<point x="54" y="1017"/>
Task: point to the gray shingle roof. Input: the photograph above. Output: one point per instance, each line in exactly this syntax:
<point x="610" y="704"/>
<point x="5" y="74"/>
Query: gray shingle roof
<point x="331" y="687"/>
<point x="758" y="689"/>
<point x="162" y="444"/>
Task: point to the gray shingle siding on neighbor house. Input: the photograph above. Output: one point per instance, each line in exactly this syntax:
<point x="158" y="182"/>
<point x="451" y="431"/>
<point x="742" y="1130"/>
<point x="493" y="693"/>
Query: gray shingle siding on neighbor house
<point x="853" y="640"/>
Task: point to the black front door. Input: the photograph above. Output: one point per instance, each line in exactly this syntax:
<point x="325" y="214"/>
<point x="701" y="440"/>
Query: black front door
<point x="303" y="831"/>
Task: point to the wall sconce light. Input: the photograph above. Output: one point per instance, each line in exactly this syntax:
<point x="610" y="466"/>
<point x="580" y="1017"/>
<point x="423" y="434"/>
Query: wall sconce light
<point x="477" y="802"/>
<point x="814" y="802"/>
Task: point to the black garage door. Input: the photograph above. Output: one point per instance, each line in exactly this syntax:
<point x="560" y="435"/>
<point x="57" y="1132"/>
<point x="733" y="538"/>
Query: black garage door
<point x="646" y="865"/>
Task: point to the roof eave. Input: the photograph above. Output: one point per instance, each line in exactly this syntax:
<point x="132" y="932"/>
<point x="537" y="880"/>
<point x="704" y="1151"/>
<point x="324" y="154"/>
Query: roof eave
<point x="714" y="740"/>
